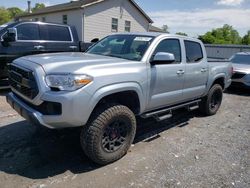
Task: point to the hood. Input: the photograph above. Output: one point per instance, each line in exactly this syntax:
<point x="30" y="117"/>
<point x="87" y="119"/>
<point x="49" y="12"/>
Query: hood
<point x="241" y="68"/>
<point x="70" y="62"/>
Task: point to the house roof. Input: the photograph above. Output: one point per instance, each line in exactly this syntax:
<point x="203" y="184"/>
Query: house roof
<point x="142" y="11"/>
<point x="76" y="5"/>
<point x="155" y="29"/>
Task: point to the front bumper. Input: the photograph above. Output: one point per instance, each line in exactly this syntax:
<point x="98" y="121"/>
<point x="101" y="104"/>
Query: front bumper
<point x="24" y="110"/>
<point x="236" y="84"/>
<point x="74" y="113"/>
<point x="228" y="83"/>
<point x="242" y="82"/>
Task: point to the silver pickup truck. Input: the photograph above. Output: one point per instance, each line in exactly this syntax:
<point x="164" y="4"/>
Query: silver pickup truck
<point x="120" y="77"/>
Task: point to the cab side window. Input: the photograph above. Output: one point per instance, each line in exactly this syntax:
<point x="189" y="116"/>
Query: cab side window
<point x="193" y="52"/>
<point x="170" y="46"/>
<point x="28" y="32"/>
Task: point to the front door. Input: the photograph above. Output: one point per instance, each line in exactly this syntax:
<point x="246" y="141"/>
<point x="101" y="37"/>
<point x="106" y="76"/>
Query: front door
<point x="27" y="42"/>
<point x="167" y="80"/>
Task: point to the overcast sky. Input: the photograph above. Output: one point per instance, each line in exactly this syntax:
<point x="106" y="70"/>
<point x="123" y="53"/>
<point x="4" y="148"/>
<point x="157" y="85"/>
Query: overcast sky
<point x="193" y="17"/>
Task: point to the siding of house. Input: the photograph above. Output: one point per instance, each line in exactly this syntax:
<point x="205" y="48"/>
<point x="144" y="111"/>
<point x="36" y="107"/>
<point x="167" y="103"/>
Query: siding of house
<point x="74" y="19"/>
<point x="95" y="21"/>
<point x="98" y="18"/>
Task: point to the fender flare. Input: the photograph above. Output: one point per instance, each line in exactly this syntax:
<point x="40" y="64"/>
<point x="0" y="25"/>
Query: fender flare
<point x="217" y="76"/>
<point x="116" y="88"/>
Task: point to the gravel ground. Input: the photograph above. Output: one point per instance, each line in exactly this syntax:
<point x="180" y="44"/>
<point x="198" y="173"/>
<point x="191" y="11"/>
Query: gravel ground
<point x="186" y="151"/>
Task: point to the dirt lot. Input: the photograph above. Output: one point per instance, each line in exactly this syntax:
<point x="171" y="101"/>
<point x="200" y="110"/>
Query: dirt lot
<point x="186" y="151"/>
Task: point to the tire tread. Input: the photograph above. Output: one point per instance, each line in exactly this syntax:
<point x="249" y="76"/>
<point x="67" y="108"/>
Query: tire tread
<point x="93" y="129"/>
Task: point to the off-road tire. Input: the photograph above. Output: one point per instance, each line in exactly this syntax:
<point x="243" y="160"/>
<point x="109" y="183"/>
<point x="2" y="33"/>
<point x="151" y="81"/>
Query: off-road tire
<point x="92" y="135"/>
<point x="215" y="93"/>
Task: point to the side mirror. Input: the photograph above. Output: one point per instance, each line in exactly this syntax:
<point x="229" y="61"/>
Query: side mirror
<point x="95" y="40"/>
<point x="163" y="58"/>
<point x="11" y="35"/>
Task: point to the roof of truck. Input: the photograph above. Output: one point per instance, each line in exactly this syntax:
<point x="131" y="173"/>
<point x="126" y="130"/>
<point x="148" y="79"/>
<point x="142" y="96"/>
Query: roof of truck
<point x="37" y="22"/>
<point x="156" y="34"/>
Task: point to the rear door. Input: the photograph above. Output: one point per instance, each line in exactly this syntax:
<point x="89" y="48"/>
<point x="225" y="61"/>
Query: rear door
<point x="166" y="82"/>
<point x="58" y="38"/>
<point x="196" y="76"/>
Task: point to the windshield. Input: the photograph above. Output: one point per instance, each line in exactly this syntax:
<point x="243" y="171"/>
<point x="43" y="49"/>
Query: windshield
<point x="241" y="59"/>
<point x="131" y="47"/>
<point x="5" y="25"/>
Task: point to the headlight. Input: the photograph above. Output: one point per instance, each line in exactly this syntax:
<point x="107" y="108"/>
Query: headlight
<point x="67" y="82"/>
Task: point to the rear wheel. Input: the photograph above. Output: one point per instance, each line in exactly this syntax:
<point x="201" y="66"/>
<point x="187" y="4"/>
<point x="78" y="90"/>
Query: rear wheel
<point x="109" y="134"/>
<point x="212" y="102"/>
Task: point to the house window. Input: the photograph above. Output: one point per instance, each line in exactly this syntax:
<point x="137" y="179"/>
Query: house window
<point x="36" y="19"/>
<point x="43" y="19"/>
<point x="114" y="27"/>
<point x="65" y="19"/>
<point x="127" y="26"/>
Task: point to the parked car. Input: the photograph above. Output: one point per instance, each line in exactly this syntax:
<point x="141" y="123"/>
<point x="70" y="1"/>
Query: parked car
<point x="120" y="77"/>
<point x="241" y="65"/>
<point x="27" y="38"/>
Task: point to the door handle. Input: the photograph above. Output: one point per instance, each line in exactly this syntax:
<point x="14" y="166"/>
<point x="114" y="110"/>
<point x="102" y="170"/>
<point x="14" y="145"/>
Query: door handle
<point x="180" y="72"/>
<point x="73" y="47"/>
<point x="203" y="70"/>
<point x="39" y="47"/>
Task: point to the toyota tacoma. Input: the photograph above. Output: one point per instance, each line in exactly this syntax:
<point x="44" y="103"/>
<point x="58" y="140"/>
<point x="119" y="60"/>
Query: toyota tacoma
<point x="120" y="77"/>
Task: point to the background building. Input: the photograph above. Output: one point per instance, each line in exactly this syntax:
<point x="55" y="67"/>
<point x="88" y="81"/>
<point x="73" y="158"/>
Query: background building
<point x="95" y="18"/>
<point x="225" y="51"/>
<point x="155" y="29"/>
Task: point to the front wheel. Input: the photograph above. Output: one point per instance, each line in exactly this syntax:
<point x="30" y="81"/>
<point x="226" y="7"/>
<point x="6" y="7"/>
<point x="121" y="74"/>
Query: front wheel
<point x="212" y="102"/>
<point x="109" y="134"/>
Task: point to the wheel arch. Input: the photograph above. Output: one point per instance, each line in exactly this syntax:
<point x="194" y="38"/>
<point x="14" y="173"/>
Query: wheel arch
<point x="128" y="94"/>
<point x="218" y="79"/>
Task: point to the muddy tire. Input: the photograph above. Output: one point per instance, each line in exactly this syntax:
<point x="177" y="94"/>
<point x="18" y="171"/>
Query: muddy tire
<point x="212" y="102"/>
<point x="109" y="134"/>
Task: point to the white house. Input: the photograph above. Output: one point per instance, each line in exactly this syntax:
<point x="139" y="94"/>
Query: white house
<point x="95" y="18"/>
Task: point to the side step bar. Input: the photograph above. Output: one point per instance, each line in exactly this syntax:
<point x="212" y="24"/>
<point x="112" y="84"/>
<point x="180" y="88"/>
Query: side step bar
<point x="166" y="113"/>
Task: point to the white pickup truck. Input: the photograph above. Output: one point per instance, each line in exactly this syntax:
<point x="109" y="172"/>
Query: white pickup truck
<point x="120" y="77"/>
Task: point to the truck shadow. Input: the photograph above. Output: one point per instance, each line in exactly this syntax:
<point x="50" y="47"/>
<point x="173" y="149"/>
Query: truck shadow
<point x="37" y="156"/>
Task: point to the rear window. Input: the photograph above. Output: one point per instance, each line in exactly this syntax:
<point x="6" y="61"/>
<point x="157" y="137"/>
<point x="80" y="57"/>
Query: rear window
<point x="193" y="51"/>
<point x="55" y="33"/>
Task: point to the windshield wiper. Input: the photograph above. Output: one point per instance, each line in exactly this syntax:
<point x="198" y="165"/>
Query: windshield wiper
<point x="111" y="55"/>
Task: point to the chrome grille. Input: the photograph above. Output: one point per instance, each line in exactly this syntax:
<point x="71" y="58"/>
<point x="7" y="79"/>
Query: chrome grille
<point x="23" y="81"/>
